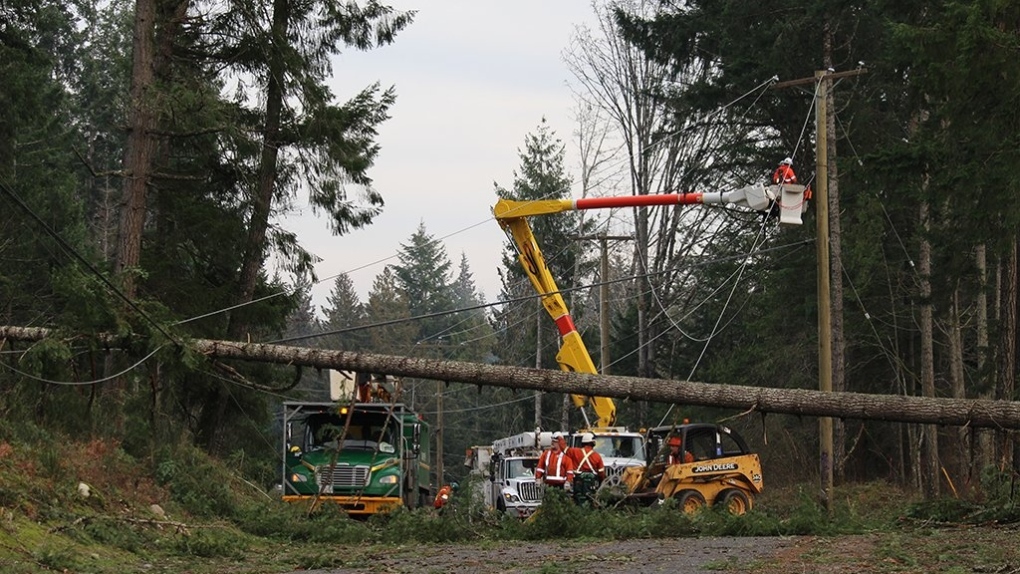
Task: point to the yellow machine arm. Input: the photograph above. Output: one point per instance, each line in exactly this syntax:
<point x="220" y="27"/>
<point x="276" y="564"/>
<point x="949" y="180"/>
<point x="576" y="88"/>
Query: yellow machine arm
<point x="573" y="356"/>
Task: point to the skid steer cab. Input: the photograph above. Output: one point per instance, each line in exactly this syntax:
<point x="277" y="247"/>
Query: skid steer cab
<point x="697" y="465"/>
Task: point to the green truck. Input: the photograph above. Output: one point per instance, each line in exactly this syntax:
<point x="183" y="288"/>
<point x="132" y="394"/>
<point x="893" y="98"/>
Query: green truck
<point x="367" y="457"/>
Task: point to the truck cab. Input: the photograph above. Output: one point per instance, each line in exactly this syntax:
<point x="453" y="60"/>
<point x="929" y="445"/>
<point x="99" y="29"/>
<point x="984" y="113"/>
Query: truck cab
<point x="366" y="457"/>
<point x="620" y="449"/>
<point x="512" y="486"/>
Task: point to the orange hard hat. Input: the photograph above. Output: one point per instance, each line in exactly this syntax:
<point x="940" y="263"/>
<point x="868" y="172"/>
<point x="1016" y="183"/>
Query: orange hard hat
<point x="674" y="441"/>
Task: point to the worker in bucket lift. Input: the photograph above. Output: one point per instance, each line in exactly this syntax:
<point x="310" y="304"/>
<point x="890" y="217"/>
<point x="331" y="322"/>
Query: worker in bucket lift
<point x="555" y="469"/>
<point x="676" y="453"/>
<point x="784" y="173"/>
<point x="444" y="494"/>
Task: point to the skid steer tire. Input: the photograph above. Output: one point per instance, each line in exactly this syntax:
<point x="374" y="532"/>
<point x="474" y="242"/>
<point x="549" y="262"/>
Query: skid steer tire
<point x="734" y="501"/>
<point x="689" y="501"/>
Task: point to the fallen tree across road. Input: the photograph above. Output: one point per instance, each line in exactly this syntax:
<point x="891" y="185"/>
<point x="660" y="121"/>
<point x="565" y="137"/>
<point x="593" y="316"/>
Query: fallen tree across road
<point x="897" y="408"/>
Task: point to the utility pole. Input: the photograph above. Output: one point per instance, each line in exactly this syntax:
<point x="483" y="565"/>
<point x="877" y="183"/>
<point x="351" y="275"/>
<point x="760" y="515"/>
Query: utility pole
<point x="604" y="323"/>
<point x="439" y="420"/>
<point x="821" y="80"/>
<point x="538" y="361"/>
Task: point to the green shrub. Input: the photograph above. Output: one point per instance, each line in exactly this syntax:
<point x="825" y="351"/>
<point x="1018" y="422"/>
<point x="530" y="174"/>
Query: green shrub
<point x="58" y="558"/>
<point x="197" y="482"/>
<point x="282" y="521"/>
<point x="212" y="543"/>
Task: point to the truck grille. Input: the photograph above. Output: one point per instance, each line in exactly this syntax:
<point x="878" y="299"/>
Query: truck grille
<point x="343" y="476"/>
<point x="615" y="471"/>
<point x="529" y="492"/>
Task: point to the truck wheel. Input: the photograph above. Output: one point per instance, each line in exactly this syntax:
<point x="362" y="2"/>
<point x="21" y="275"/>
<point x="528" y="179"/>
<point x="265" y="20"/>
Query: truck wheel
<point x="500" y="506"/>
<point x="689" y="501"/>
<point x="734" y="501"/>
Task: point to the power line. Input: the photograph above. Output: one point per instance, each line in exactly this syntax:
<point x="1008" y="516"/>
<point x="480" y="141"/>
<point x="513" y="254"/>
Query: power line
<point x="71" y="251"/>
<point x="81" y="383"/>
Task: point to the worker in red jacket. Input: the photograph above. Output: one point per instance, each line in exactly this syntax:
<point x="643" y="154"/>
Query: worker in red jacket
<point x="555" y="468"/>
<point x="587" y="459"/>
<point x="444" y="494"/>
<point x="590" y="470"/>
<point x="676" y="453"/>
<point x="784" y="173"/>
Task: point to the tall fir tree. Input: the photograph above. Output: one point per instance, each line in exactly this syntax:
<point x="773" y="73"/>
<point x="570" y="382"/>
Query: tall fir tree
<point x="424" y="276"/>
<point x="344" y="310"/>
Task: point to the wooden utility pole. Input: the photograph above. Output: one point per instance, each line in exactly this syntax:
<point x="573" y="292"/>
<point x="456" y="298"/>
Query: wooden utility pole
<point x="540" y="320"/>
<point x="439" y="434"/>
<point x="821" y="80"/>
<point x="604" y="318"/>
<point x="824" y="309"/>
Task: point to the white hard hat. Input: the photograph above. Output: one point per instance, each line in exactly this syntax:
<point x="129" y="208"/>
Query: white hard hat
<point x="557" y="435"/>
<point x="587" y="438"/>
<point x="787" y="161"/>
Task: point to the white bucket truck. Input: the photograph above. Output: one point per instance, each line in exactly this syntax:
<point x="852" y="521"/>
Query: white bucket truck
<point x="512" y="487"/>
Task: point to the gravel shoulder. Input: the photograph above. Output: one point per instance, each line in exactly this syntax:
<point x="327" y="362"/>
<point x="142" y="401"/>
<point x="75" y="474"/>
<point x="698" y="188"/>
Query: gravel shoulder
<point x="920" y="549"/>
<point x="689" y="555"/>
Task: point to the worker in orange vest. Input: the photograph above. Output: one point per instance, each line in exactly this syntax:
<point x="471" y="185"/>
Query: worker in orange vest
<point x="675" y="457"/>
<point x="555" y="469"/>
<point x="444" y="494"/>
<point x="590" y="471"/>
<point x="784" y="173"/>
<point x="587" y="459"/>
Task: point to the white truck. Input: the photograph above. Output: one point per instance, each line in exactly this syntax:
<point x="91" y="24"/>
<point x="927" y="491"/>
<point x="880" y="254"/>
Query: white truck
<point x="508" y="471"/>
<point x="620" y="449"/>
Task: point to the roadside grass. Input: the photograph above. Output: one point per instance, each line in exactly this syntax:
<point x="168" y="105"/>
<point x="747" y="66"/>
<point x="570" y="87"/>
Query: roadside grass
<point x="181" y="510"/>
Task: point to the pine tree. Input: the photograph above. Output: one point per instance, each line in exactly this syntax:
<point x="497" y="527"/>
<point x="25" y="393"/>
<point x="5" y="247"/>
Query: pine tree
<point x="541" y="175"/>
<point x="472" y="332"/>
<point x="344" y="310"/>
<point x="423" y="275"/>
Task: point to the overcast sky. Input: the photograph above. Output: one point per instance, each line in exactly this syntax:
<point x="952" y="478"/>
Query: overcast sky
<point x="472" y="78"/>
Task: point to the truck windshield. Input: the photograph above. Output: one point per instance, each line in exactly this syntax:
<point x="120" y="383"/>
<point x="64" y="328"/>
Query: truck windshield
<point x="363" y="433"/>
<point x="521" y="467"/>
<point x="620" y="447"/>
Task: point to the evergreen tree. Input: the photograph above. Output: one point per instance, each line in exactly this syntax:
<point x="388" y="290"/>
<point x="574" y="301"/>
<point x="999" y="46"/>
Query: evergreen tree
<point x="344" y="310"/>
<point x="472" y="332"/>
<point x="388" y="303"/>
<point x="288" y="48"/>
<point x="541" y="175"/>
<point x="423" y="275"/>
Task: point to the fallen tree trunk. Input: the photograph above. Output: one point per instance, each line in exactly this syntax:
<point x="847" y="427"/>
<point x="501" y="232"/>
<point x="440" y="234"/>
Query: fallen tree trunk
<point x="897" y="408"/>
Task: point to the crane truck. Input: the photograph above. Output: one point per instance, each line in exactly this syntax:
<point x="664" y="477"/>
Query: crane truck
<point x="786" y="201"/>
<point x="363" y="451"/>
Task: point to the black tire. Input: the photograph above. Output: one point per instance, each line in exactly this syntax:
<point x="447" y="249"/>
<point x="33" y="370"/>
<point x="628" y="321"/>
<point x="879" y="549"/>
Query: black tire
<point x="500" y="505"/>
<point x="734" y="501"/>
<point x="689" y="501"/>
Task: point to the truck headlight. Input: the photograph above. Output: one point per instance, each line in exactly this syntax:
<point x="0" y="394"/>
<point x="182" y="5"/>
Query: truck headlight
<point x="511" y="497"/>
<point x="388" y="479"/>
<point x="295" y="477"/>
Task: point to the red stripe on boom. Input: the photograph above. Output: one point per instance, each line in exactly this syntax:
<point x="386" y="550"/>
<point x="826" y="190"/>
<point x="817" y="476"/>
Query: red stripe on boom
<point x="565" y="324"/>
<point x="636" y="200"/>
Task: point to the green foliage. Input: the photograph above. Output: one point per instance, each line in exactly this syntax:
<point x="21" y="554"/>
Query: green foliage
<point x="58" y="557"/>
<point x="278" y="520"/>
<point x="118" y="534"/>
<point x="196" y="482"/>
<point x="212" y="543"/>
<point x="1000" y="503"/>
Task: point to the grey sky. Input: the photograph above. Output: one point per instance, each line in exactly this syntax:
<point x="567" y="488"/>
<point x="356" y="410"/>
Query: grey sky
<point x="472" y="78"/>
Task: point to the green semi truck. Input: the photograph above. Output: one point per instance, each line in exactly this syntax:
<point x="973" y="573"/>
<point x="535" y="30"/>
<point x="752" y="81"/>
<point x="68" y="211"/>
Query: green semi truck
<point x="367" y="457"/>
